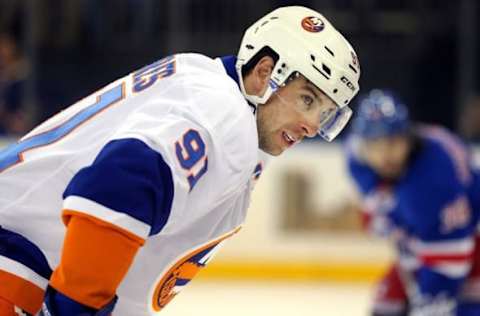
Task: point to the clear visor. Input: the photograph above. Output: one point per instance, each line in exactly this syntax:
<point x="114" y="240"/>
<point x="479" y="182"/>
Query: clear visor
<point x="333" y="121"/>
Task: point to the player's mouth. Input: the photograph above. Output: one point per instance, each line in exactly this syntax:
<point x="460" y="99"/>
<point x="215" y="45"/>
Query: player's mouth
<point x="289" y="139"/>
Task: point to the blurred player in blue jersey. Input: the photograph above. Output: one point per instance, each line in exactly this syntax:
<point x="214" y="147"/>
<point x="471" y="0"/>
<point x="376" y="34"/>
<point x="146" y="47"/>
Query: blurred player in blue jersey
<point x="117" y="202"/>
<point x="419" y="190"/>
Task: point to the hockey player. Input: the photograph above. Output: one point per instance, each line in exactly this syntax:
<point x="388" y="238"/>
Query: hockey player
<point x="419" y="190"/>
<point x="117" y="202"/>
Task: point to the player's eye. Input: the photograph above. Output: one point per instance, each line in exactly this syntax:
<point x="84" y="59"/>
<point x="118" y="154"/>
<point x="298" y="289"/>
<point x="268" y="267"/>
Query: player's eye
<point x="307" y="101"/>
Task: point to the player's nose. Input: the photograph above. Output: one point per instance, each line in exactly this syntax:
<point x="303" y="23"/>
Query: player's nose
<point x="309" y="130"/>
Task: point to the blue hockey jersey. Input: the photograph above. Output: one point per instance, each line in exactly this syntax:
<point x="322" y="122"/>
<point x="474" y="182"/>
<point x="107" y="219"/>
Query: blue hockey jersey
<point x="434" y="206"/>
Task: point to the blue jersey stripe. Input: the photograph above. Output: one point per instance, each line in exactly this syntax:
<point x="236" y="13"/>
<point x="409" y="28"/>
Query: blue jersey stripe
<point x="129" y="177"/>
<point x="18" y="248"/>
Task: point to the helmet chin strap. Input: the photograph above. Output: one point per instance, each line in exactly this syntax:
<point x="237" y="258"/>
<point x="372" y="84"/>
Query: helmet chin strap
<point x="256" y="100"/>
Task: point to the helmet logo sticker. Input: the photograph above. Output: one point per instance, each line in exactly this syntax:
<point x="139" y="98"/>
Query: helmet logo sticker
<point x="348" y="83"/>
<point x="313" y="24"/>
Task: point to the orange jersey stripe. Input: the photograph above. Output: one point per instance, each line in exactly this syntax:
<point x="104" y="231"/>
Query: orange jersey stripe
<point x="7" y="308"/>
<point x="67" y="214"/>
<point x="96" y="256"/>
<point x="20" y="292"/>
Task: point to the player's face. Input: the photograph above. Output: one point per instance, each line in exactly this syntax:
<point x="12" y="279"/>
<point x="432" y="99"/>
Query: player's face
<point x="292" y="113"/>
<point x="387" y="155"/>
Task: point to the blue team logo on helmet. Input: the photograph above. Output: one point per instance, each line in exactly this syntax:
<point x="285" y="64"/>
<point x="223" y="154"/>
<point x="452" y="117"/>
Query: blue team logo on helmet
<point x="380" y="114"/>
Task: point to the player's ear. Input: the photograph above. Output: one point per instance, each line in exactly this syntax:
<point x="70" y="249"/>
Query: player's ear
<point x="261" y="75"/>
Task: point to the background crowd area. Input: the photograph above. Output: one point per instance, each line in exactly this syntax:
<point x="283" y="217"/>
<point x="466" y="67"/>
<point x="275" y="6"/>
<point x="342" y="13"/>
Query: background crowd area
<point x="54" y="52"/>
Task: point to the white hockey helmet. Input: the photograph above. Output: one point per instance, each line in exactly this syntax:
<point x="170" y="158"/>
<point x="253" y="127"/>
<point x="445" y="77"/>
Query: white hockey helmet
<point x="305" y="43"/>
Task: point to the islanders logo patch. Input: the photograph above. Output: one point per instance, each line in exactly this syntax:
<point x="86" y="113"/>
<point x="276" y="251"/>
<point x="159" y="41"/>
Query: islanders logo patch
<point x="258" y="171"/>
<point x="313" y="24"/>
<point x="181" y="273"/>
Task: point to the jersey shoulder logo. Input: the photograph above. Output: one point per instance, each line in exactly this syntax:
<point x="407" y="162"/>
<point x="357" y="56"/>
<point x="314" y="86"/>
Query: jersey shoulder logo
<point x="257" y="171"/>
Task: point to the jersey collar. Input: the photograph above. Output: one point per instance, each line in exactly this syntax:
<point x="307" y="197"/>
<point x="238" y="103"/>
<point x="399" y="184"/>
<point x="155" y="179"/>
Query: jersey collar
<point x="229" y="65"/>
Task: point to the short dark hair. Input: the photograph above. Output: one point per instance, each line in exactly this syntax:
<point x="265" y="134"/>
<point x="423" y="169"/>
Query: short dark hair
<point x="265" y="51"/>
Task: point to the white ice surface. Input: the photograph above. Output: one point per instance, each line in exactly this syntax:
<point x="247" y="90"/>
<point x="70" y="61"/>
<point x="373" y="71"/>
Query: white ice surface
<point x="278" y="299"/>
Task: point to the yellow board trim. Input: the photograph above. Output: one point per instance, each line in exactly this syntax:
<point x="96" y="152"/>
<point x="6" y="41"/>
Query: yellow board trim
<point x="297" y="271"/>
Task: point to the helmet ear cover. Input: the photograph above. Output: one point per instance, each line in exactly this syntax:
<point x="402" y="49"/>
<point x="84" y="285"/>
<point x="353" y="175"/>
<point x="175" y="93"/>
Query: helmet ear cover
<point x="265" y="51"/>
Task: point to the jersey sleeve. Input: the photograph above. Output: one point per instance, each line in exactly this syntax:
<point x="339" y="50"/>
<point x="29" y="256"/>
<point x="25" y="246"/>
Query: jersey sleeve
<point x="443" y="228"/>
<point x="132" y="182"/>
<point x="163" y="153"/>
<point x="128" y="185"/>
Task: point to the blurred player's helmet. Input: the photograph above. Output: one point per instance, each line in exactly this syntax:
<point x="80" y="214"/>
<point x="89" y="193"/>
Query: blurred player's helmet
<point x="305" y="43"/>
<point x="380" y="114"/>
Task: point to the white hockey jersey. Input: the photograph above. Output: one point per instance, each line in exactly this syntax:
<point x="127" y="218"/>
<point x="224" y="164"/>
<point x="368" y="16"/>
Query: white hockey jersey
<point x="105" y="156"/>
